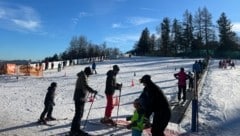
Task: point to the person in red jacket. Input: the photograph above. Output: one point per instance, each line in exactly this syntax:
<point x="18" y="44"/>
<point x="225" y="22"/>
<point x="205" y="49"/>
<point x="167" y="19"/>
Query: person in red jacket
<point x="182" y="77"/>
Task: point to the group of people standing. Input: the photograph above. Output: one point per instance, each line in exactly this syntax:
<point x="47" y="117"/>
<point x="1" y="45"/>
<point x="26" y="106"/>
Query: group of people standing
<point x="225" y="63"/>
<point x="152" y="101"/>
<point x="197" y="68"/>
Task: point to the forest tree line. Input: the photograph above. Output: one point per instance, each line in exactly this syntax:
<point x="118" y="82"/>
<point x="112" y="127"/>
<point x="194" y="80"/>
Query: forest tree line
<point x="81" y="48"/>
<point x="194" y="36"/>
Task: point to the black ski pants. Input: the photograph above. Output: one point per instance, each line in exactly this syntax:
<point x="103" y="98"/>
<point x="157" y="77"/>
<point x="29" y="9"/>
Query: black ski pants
<point x="160" y="122"/>
<point x="181" y="89"/>
<point x="76" y="122"/>
<point x="47" y="110"/>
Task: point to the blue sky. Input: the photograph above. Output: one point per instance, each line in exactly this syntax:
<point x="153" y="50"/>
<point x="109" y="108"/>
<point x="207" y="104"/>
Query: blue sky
<point x="35" y="29"/>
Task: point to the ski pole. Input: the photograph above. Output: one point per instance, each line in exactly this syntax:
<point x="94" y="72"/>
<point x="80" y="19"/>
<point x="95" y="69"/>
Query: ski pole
<point x="120" y="90"/>
<point x="89" y="112"/>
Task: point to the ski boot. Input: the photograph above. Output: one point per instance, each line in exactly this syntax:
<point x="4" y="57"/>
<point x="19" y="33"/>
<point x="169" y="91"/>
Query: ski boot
<point x="50" y="118"/>
<point x="42" y="121"/>
<point x="108" y="121"/>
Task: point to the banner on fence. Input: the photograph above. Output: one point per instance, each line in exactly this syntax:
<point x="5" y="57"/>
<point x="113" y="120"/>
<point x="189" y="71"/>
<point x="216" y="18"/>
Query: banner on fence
<point x="26" y="70"/>
<point x="9" y="69"/>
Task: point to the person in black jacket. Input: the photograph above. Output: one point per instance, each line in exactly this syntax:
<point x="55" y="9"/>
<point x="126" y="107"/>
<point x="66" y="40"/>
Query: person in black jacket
<point x="111" y="86"/>
<point x="80" y="96"/>
<point x="49" y="103"/>
<point x="154" y="101"/>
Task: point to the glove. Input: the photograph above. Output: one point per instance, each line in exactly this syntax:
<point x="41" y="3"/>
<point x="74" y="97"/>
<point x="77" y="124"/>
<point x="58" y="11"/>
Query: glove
<point x="95" y="92"/>
<point x="129" y="126"/>
<point x="119" y="86"/>
<point x="128" y="118"/>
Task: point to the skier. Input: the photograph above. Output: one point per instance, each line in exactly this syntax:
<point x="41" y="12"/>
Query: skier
<point x="49" y="103"/>
<point x="111" y="86"/>
<point x="79" y="98"/>
<point x="59" y="67"/>
<point x="94" y="67"/>
<point x="156" y="103"/>
<point x="232" y="64"/>
<point x="191" y="79"/>
<point x="196" y="69"/>
<point x="137" y="120"/>
<point x="182" y="77"/>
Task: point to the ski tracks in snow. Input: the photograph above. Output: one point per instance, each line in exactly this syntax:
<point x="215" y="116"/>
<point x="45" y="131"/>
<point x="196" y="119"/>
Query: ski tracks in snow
<point x="219" y="85"/>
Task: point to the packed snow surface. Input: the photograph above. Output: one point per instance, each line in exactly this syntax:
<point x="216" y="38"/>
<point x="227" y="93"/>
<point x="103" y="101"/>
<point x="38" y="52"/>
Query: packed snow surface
<point x="21" y="100"/>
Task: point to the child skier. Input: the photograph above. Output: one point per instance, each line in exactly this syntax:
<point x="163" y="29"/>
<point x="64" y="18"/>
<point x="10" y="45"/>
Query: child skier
<point x="191" y="79"/>
<point x="49" y="103"/>
<point x="137" y="120"/>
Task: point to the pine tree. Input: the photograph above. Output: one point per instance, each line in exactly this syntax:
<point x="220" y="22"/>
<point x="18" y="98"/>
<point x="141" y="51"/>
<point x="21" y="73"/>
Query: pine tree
<point x="143" y="47"/>
<point x="187" y="31"/>
<point x="176" y="36"/>
<point x="226" y="34"/>
<point x="165" y="32"/>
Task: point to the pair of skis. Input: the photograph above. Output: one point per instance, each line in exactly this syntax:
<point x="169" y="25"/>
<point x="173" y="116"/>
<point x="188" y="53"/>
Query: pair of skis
<point x="91" y="100"/>
<point x="46" y="121"/>
<point x="181" y="103"/>
<point x="68" y="133"/>
<point x="116" y="123"/>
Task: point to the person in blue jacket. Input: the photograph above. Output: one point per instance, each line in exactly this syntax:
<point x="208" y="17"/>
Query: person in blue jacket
<point x="196" y="69"/>
<point x="94" y="67"/>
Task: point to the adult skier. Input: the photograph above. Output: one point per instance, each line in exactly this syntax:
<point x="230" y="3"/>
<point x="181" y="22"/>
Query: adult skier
<point x="80" y="94"/>
<point x="182" y="77"/>
<point x="111" y="86"/>
<point x="157" y="104"/>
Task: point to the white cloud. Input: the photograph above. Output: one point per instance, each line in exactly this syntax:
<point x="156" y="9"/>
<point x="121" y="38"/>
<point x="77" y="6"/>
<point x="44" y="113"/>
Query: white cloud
<point x="28" y="24"/>
<point x="116" y="25"/>
<point x="140" y="20"/>
<point x="124" y="38"/>
<point x="148" y="9"/>
<point x="236" y="27"/>
<point x="83" y="14"/>
<point x="80" y="15"/>
<point x="124" y="42"/>
<point x="17" y="17"/>
<point x="75" y="20"/>
<point x="2" y="13"/>
<point x="134" y="21"/>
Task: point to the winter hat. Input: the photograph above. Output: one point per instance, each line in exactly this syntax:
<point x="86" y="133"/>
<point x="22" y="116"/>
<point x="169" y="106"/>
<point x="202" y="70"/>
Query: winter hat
<point x="116" y="68"/>
<point x="138" y="104"/>
<point x="53" y="84"/>
<point x="88" y="71"/>
<point x="145" y="79"/>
